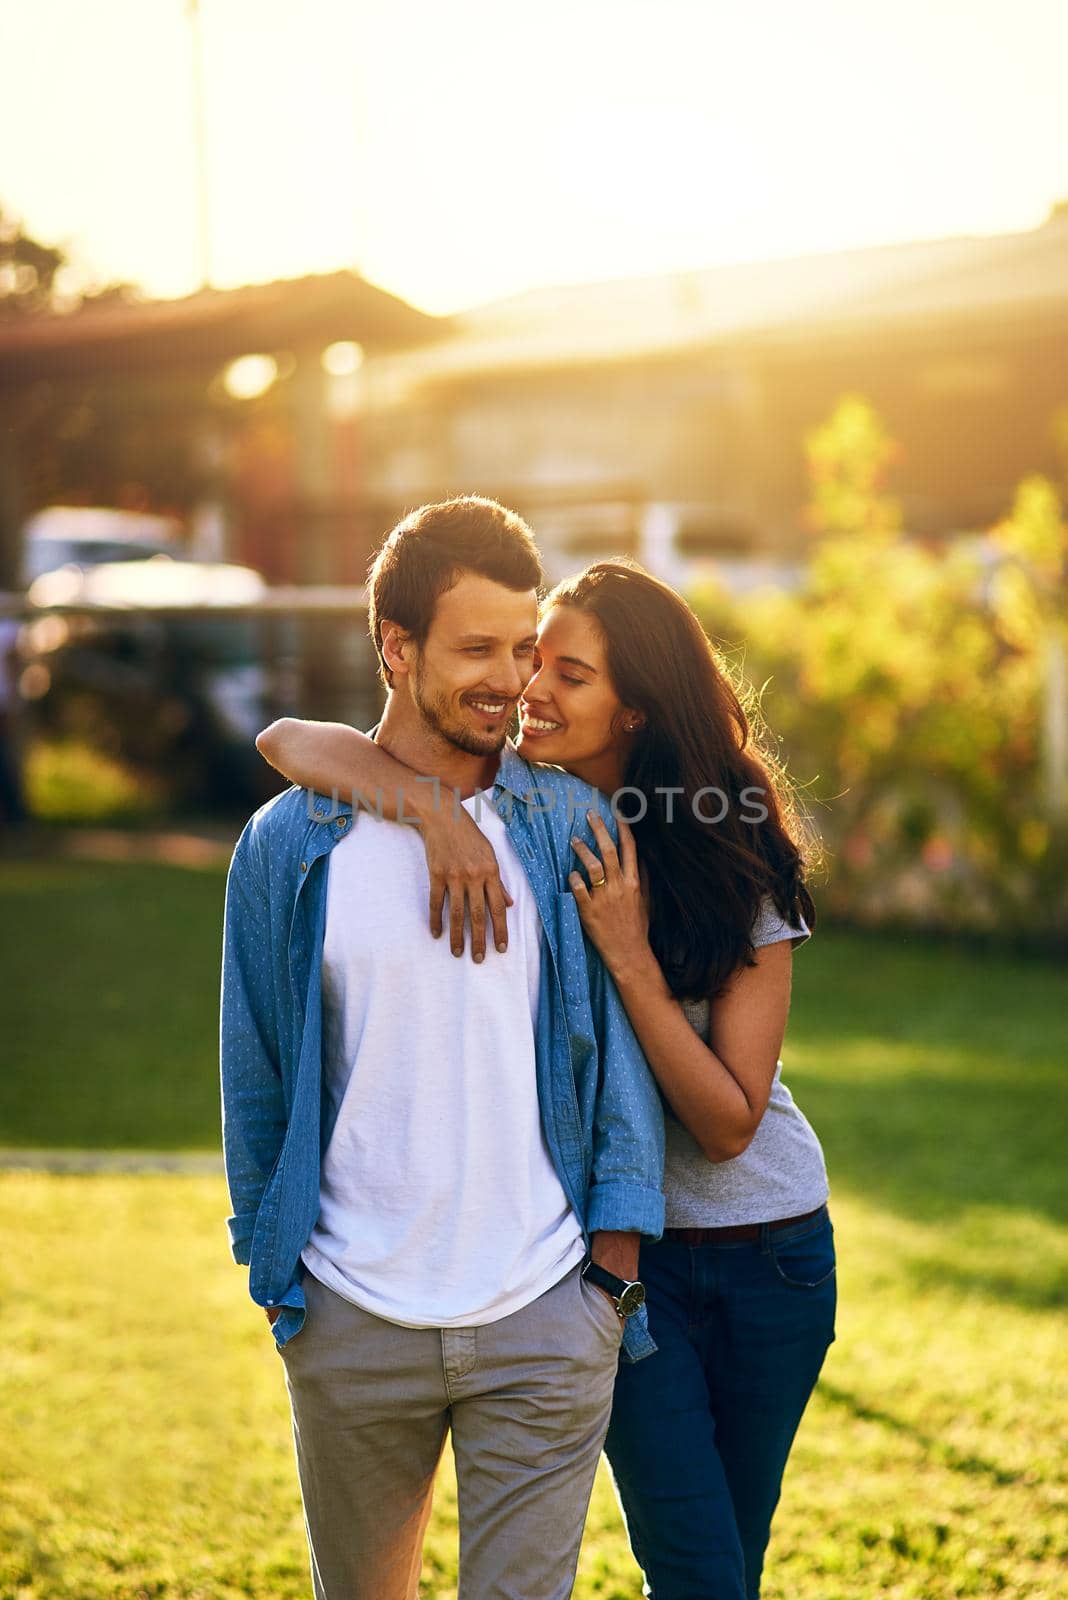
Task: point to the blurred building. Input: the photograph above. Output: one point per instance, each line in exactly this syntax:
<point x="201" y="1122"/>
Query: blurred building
<point x="665" y="416"/>
<point x="216" y="407"/>
<point x="668" y="415"/>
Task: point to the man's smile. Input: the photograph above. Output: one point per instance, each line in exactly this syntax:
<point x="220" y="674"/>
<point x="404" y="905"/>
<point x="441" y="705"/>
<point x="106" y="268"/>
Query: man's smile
<point x="489" y="708"/>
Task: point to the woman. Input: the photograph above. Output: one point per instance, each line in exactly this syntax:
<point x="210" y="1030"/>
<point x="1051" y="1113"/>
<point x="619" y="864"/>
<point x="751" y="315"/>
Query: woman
<point x="628" y="694"/>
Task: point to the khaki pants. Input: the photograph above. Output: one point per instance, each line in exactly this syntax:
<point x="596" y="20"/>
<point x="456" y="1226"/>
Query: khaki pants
<point x="527" y="1399"/>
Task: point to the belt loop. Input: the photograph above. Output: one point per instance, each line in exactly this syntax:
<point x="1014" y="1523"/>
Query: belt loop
<point x="765" y="1238"/>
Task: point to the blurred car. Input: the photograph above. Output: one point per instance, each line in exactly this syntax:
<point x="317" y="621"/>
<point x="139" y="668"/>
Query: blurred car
<point x="152" y="667"/>
<point x="89" y="536"/>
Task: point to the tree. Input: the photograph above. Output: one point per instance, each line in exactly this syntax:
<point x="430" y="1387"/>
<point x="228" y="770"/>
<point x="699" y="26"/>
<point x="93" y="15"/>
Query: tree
<point x="907" y="685"/>
<point x="1029" y="595"/>
<point x="28" y="270"/>
<point x="34" y="429"/>
<point x="849" y="457"/>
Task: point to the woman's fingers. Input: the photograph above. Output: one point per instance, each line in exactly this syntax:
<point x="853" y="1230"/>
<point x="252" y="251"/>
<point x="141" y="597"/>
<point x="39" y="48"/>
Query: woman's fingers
<point x="437" y="902"/>
<point x="462" y="865"/>
<point x="628" y="851"/>
<point x="456" y="916"/>
<point x="498" y="899"/>
<point x="591" y="862"/>
<point x="476" y="907"/>
<point x="579" y="889"/>
<point x="490" y="899"/>
<point x="482" y="906"/>
<point x="605" y="845"/>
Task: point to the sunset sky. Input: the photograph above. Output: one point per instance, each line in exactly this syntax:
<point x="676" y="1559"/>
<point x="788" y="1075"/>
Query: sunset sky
<point x="458" y="150"/>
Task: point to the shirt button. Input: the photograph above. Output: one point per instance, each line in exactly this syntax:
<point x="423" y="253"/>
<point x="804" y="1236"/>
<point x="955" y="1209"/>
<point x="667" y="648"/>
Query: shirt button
<point x="342" y="822"/>
<point x="304" y="866"/>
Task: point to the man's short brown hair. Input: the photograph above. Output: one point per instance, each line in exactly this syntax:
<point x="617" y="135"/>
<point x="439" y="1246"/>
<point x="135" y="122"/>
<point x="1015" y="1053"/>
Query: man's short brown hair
<point x="426" y="553"/>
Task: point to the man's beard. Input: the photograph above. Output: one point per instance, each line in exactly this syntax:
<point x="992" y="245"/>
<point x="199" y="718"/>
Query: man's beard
<point x="435" y="712"/>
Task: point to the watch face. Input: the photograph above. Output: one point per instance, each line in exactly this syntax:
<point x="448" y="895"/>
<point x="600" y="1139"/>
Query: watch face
<point x="632" y="1297"/>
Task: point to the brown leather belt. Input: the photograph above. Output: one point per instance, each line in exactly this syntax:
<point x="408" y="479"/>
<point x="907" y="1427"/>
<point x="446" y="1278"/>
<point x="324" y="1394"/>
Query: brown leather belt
<point x="739" y="1231"/>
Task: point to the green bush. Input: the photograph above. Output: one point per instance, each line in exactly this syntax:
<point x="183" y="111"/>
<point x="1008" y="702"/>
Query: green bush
<point x="70" y="781"/>
<point x="908" y="688"/>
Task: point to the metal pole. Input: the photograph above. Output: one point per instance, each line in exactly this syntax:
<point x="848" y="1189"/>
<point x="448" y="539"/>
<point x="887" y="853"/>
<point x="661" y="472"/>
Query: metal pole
<point x="201" y="142"/>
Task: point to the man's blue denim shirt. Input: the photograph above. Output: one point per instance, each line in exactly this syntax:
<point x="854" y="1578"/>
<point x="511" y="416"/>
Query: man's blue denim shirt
<point x="600" y="1107"/>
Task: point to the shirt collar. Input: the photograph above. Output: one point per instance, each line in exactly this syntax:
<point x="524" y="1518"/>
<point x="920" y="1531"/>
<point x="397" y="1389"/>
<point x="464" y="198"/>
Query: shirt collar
<point x="513" y="773"/>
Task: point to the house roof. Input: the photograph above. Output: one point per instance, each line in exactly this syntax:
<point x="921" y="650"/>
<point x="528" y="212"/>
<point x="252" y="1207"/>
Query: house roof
<point x="209" y="327"/>
<point x="968" y="279"/>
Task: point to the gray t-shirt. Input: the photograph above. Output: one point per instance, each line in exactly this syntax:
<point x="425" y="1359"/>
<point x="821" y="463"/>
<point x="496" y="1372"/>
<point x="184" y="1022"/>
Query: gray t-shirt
<point x="780" y="1174"/>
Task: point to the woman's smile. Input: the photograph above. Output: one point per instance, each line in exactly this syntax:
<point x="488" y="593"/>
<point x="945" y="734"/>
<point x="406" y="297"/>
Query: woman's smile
<point x="535" y="725"/>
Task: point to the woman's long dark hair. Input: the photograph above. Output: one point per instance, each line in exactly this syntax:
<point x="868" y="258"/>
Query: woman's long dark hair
<point x="706" y="879"/>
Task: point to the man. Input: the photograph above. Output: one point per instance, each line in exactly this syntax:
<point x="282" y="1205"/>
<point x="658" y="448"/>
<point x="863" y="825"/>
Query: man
<point x="420" y="1150"/>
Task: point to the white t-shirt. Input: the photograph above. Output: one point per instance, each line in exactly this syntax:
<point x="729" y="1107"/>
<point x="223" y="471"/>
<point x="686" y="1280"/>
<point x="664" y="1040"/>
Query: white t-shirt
<point x="439" y="1203"/>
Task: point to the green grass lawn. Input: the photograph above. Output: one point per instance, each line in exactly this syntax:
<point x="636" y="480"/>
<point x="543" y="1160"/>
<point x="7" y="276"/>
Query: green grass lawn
<point x="109" y="1009"/>
<point x="144" y="1436"/>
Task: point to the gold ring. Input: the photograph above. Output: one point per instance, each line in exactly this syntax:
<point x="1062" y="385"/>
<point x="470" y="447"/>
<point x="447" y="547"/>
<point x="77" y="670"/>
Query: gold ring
<point x="598" y="883"/>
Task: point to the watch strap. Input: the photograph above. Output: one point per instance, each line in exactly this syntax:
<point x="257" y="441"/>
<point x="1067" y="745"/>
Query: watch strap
<point x="604" y="1279"/>
<point x="628" y="1297"/>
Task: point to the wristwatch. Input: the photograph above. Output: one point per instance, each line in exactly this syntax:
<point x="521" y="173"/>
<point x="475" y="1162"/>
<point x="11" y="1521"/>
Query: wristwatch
<point x="627" y="1296"/>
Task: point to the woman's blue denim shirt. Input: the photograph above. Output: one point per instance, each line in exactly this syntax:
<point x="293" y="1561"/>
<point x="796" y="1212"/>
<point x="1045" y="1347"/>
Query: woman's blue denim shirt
<point x="600" y="1107"/>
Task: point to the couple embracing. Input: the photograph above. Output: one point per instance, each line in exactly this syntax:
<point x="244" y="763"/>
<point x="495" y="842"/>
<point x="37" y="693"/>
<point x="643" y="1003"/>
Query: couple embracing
<point x="548" y="1192"/>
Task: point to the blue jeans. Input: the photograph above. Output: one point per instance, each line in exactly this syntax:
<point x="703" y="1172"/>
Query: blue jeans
<point x="700" y="1432"/>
